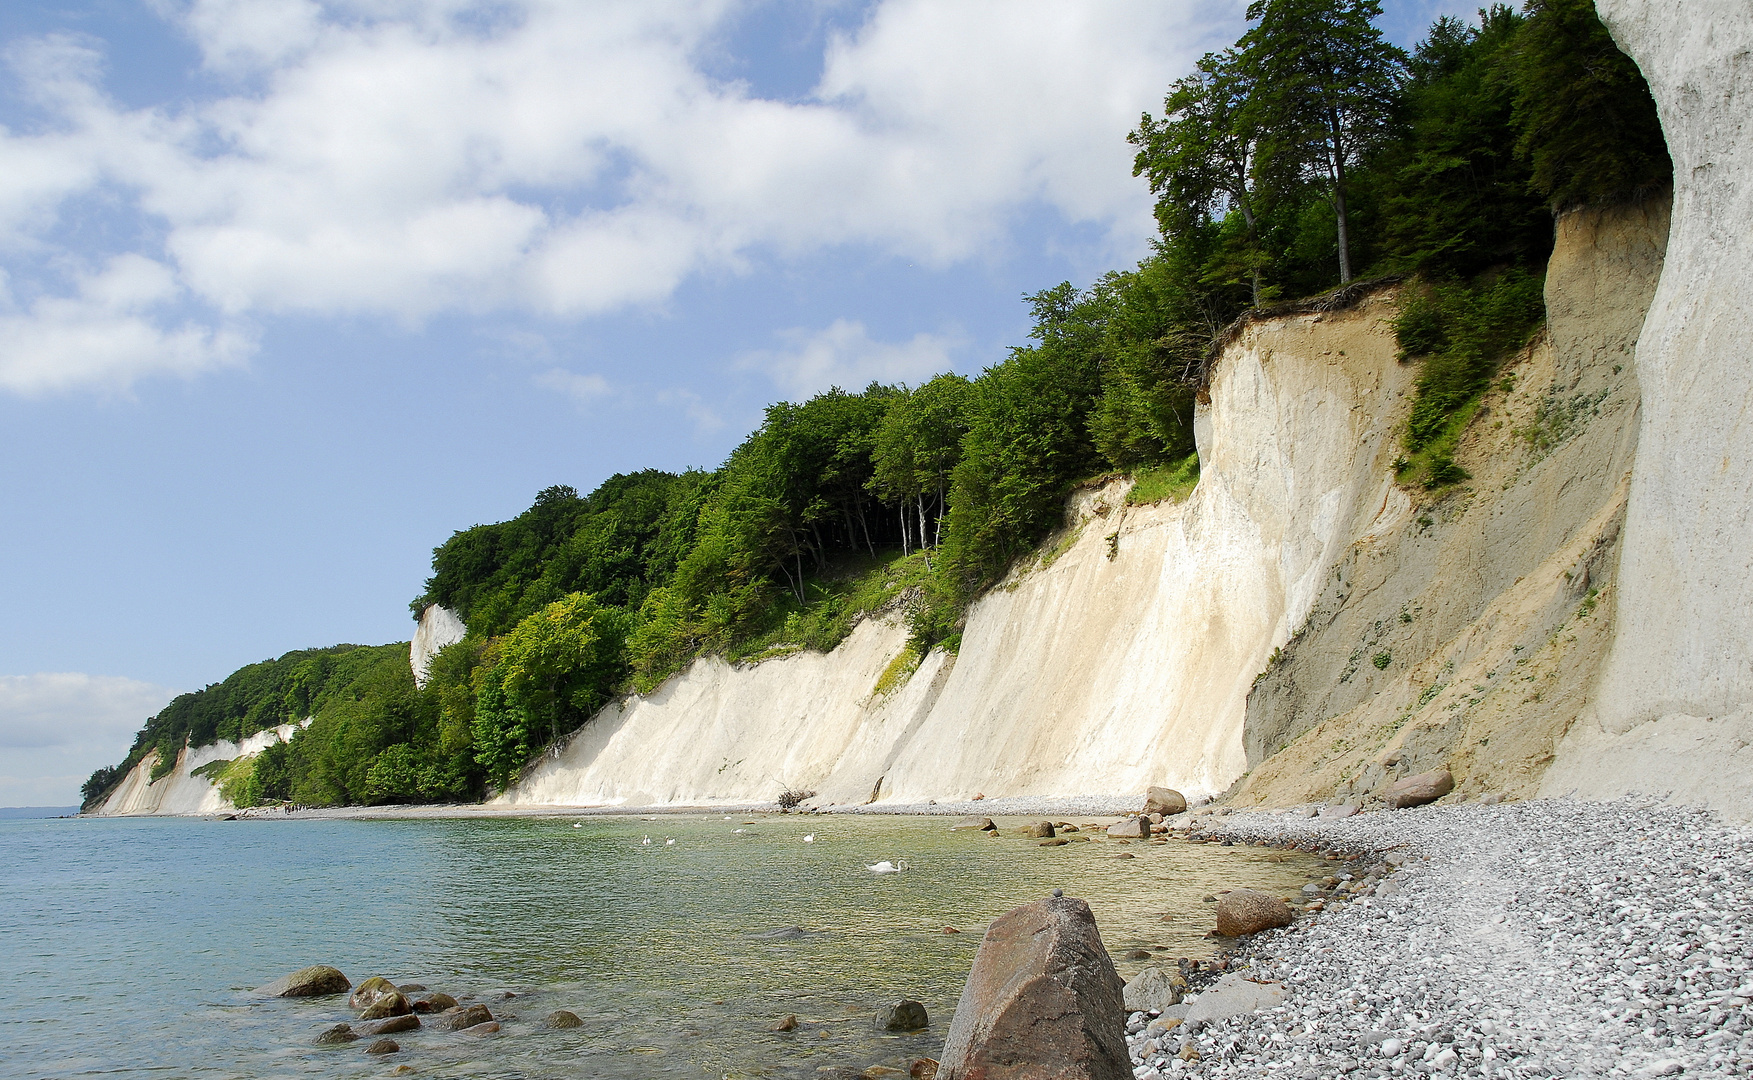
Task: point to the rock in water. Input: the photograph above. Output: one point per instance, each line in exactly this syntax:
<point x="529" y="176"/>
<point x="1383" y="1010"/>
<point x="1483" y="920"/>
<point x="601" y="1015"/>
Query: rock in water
<point x="923" y="1069"/>
<point x="1043" y="1001"/>
<point x="366" y="993"/>
<point x="340" y="1033"/>
<point x="903" y="1015"/>
<point x="1152" y="989"/>
<point x="1165" y="801"/>
<point x="1131" y="829"/>
<point x="561" y="1018"/>
<point x="390" y="1025"/>
<point x="433" y="1003"/>
<point x="463" y="1016"/>
<point x="788" y="1022"/>
<point x="1420" y="789"/>
<point x="390" y="1004"/>
<point x="1039" y="830"/>
<point x="384" y="1046"/>
<point x="1244" y="911"/>
<point x="984" y="824"/>
<point x="312" y="981"/>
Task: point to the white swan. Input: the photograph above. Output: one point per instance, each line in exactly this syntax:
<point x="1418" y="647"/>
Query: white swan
<point x="670" y="842"/>
<point x="887" y="867"/>
<point x="646" y="841"/>
<point x="810" y="839"/>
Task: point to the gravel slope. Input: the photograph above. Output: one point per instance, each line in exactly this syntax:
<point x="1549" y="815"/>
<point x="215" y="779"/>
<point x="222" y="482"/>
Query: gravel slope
<point x="1549" y="938"/>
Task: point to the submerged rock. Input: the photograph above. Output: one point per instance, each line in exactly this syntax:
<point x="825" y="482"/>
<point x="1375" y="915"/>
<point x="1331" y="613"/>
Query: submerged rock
<point x="459" y="1017"/>
<point x="561" y="1018"/>
<point x="788" y="1022"/>
<point x="340" y="1033"/>
<point x="923" y="1069"/>
<point x="390" y="1025"/>
<point x="433" y="1003"/>
<point x="984" y="824"/>
<point x="390" y="1004"/>
<point x="314" y="981"/>
<point x="384" y="1046"/>
<point x="1043" y="1000"/>
<point x="903" y="1015"/>
<point x="491" y="1027"/>
<point x="1245" y="911"/>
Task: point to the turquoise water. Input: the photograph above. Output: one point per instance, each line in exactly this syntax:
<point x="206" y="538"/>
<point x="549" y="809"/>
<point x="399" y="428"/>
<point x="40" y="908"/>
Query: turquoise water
<point x="128" y="946"/>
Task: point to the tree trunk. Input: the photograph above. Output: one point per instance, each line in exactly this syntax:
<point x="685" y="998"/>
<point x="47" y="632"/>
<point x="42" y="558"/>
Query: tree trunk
<point x="1337" y="150"/>
<point x="906" y="540"/>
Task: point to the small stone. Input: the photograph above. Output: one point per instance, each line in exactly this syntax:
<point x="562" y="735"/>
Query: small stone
<point x="904" y="1015"/>
<point x="315" y="981"/>
<point x="788" y="1022"/>
<point x="923" y="1069"/>
<point x="433" y="1003"/>
<point x="1152" y="990"/>
<point x="1342" y="810"/>
<point x="412" y="988"/>
<point x="1391" y="1047"/>
<point x="1245" y="911"/>
<point x="984" y="824"/>
<point x="340" y="1033"/>
<point x="1055" y="842"/>
<point x="562" y="1018"/>
<point x="384" y="1046"/>
<point x="491" y="1027"/>
<point x="1039" y="830"/>
<point x="951" y="930"/>
<point x="1124" y="855"/>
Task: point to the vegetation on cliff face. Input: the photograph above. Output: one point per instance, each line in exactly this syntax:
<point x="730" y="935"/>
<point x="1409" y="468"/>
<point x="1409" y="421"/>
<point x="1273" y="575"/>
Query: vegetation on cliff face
<point x="1309" y="149"/>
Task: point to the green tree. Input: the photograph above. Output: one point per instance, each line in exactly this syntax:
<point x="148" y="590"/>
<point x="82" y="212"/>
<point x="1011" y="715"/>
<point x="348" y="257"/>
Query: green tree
<point x="915" y="453"/>
<point x="1588" y="122"/>
<point x="1325" y="94"/>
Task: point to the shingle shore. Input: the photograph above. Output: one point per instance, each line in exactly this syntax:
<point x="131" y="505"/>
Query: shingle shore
<point x="1537" y="939"/>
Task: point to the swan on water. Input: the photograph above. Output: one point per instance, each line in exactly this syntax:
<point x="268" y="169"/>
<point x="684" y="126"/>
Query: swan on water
<point x="646" y="841"/>
<point x="887" y="867"/>
<point x="669" y="842"/>
<point x="810" y="839"/>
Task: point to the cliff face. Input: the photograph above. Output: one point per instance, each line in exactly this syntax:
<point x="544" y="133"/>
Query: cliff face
<point x="1092" y="674"/>
<point x="180" y="791"/>
<point x="439" y="626"/>
<point x="1675" y="710"/>
<point x="1472" y="636"/>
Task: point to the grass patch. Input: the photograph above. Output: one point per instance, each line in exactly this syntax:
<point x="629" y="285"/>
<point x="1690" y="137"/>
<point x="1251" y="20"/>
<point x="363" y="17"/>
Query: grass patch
<point x="1065" y="544"/>
<point x="895" y="676"/>
<point x="1165" y="483"/>
<point x="229" y="776"/>
<point x="834" y="602"/>
<point x="1460" y="332"/>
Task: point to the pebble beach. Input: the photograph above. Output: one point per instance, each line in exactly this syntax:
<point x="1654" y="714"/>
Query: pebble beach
<point x="1535" y="939"/>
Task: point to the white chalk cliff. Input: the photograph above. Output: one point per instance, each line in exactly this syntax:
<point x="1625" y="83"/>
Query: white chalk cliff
<point x="439" y="626"/>
<point x="1674" y="712"/>
<point x="180" y="791"/>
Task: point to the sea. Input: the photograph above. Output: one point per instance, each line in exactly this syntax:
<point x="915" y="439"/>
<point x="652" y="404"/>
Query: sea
<point x="130" y="947"/>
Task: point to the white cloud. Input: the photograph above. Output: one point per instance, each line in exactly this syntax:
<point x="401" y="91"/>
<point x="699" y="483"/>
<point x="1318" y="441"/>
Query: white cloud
<point x="412" y="157"/>
<point x="55" y="728"/>
<point x="583" y="389"/>
<point x="107" y="334"/>
<point x="845" y="355"/>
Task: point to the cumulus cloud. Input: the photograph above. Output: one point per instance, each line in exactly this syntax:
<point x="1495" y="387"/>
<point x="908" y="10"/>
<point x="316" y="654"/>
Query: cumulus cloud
<point x="845" y="355"/>
<point x="415" y="157"/>
<point x="55" y="728"/>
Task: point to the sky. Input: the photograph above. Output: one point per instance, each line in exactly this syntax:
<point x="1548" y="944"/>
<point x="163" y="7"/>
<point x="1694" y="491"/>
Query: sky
<point x="291" y="290"/>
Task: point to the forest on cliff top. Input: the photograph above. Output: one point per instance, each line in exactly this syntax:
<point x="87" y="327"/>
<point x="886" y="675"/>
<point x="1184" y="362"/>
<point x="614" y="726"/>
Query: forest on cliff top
<point x="1309" y="155"/>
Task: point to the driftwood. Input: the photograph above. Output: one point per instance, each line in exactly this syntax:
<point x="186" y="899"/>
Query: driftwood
<point x="1198" y="374"/>
<point x="788" y="799"/>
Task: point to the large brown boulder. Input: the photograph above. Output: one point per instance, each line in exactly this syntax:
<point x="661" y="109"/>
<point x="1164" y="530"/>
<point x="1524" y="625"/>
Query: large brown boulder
<point x="1043" y="1001"/>
<point x="389" y="1025"/>
<point x="1165" y="801"/>
<point x="1420" y="789"/>
<point x="1039" y="830"/>
<point x="313" y="981"/>
<point x="433" y="1002"/>
<point x="1244" y="911"/>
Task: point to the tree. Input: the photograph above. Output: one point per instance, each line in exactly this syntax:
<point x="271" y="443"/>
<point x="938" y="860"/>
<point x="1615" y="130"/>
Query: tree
<point x="1588" y="123"/>
<point x="1200" y="157"/>
<point x="916" y="452"/>
<point x="1325" y="89"/>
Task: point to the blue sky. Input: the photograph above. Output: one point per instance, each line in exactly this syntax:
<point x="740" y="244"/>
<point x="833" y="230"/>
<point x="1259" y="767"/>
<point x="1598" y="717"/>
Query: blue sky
<point x="292" y="289"/>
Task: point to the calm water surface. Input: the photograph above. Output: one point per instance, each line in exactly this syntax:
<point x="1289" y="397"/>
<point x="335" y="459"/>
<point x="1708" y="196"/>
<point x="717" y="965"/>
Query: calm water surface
<point x="127" y="947"/>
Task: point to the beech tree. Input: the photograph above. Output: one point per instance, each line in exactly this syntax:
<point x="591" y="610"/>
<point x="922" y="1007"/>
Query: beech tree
<point x="1324" y="89"/>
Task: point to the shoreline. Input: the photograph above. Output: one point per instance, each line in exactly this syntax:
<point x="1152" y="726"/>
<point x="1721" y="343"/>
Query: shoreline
<point x="1546" y="938"/>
